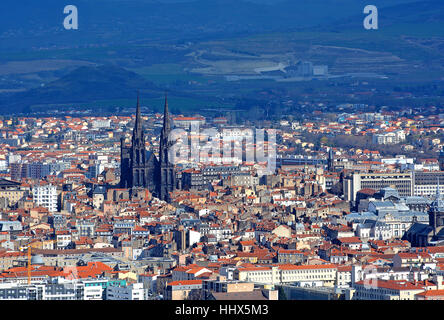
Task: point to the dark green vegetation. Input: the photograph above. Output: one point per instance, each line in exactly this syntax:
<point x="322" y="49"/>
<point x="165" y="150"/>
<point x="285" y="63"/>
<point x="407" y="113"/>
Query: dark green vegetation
<point x="83" y="85"/>
<point x="189" y="47"/>
<point x="105" y="86"/>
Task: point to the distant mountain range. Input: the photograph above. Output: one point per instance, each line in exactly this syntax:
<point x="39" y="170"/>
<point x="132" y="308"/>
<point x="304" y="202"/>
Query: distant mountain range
<point x="30" y="23"/>
<point x="419" y="14"/>
<point x="29" y="27"/>
<point x="84" y="84"/>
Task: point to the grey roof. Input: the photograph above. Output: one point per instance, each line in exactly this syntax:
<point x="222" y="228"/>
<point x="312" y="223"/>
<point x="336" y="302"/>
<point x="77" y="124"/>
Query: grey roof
<point x="416" y="200"/>
<point x="383" y="204"/>
<point x="409" y="215"/>
<point x="367" y="224"/>
<point x="420" y="228"/>
<point x="380" y="223"/>
<point x="401" y="207"/>
<point x="389" y="192"/>
<point x="99" y="190"/>
<point x="4" y="183"/>
<point x="361" y="216"/>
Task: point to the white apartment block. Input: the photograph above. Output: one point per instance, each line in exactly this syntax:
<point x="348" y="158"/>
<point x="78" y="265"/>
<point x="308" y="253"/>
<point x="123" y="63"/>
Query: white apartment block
<point x="426" y="182"/>
<point x="389" y="138"/>
<point x="45" y="196"/>
<point x="427" y="190"/>
<point x="305" y="275"/>
<point x="132" y="292"/>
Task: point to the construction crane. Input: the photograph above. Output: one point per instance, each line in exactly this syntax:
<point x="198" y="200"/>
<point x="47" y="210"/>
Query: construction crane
<point x="29" y="264"/>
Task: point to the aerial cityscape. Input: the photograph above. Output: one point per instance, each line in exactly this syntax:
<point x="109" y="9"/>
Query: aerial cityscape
<point x="225" y="159"/>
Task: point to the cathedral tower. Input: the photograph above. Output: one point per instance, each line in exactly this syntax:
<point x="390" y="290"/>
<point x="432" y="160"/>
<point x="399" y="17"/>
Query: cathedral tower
<point x="167" y="174"/>
<point x="441" y="160"/>
<point x="436" y="211"/>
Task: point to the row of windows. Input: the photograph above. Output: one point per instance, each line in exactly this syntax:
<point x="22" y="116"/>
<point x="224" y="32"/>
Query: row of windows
<point x="305" y="271"/>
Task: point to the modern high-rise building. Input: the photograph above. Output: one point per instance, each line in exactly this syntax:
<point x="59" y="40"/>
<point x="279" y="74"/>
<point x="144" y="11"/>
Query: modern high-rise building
<point x="141" y="168"/>
<point x="425" y="182"/>
<point x="402" y="182"/>
<point x="35" y="170"/>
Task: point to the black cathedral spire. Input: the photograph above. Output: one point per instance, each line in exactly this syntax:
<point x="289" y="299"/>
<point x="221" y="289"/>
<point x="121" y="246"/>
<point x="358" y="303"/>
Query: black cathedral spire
<point x="138" y="125"/>
<point x="166" y="116"/>
<point x="167" y="174"/>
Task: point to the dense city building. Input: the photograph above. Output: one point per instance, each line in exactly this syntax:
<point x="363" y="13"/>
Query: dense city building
<point x="115" y="221"/>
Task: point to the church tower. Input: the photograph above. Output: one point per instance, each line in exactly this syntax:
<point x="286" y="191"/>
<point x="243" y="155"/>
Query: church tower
<point x="436" y="211"/>
<point x="441" y="160"/>
<point x="138" y="152"/>
<point x="167" y="173"/>
<point x="139" y="168"/>
<point x="331" y="159"/>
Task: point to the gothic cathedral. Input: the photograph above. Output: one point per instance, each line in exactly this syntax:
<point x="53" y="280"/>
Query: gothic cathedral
<point x="140" y="169"/>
